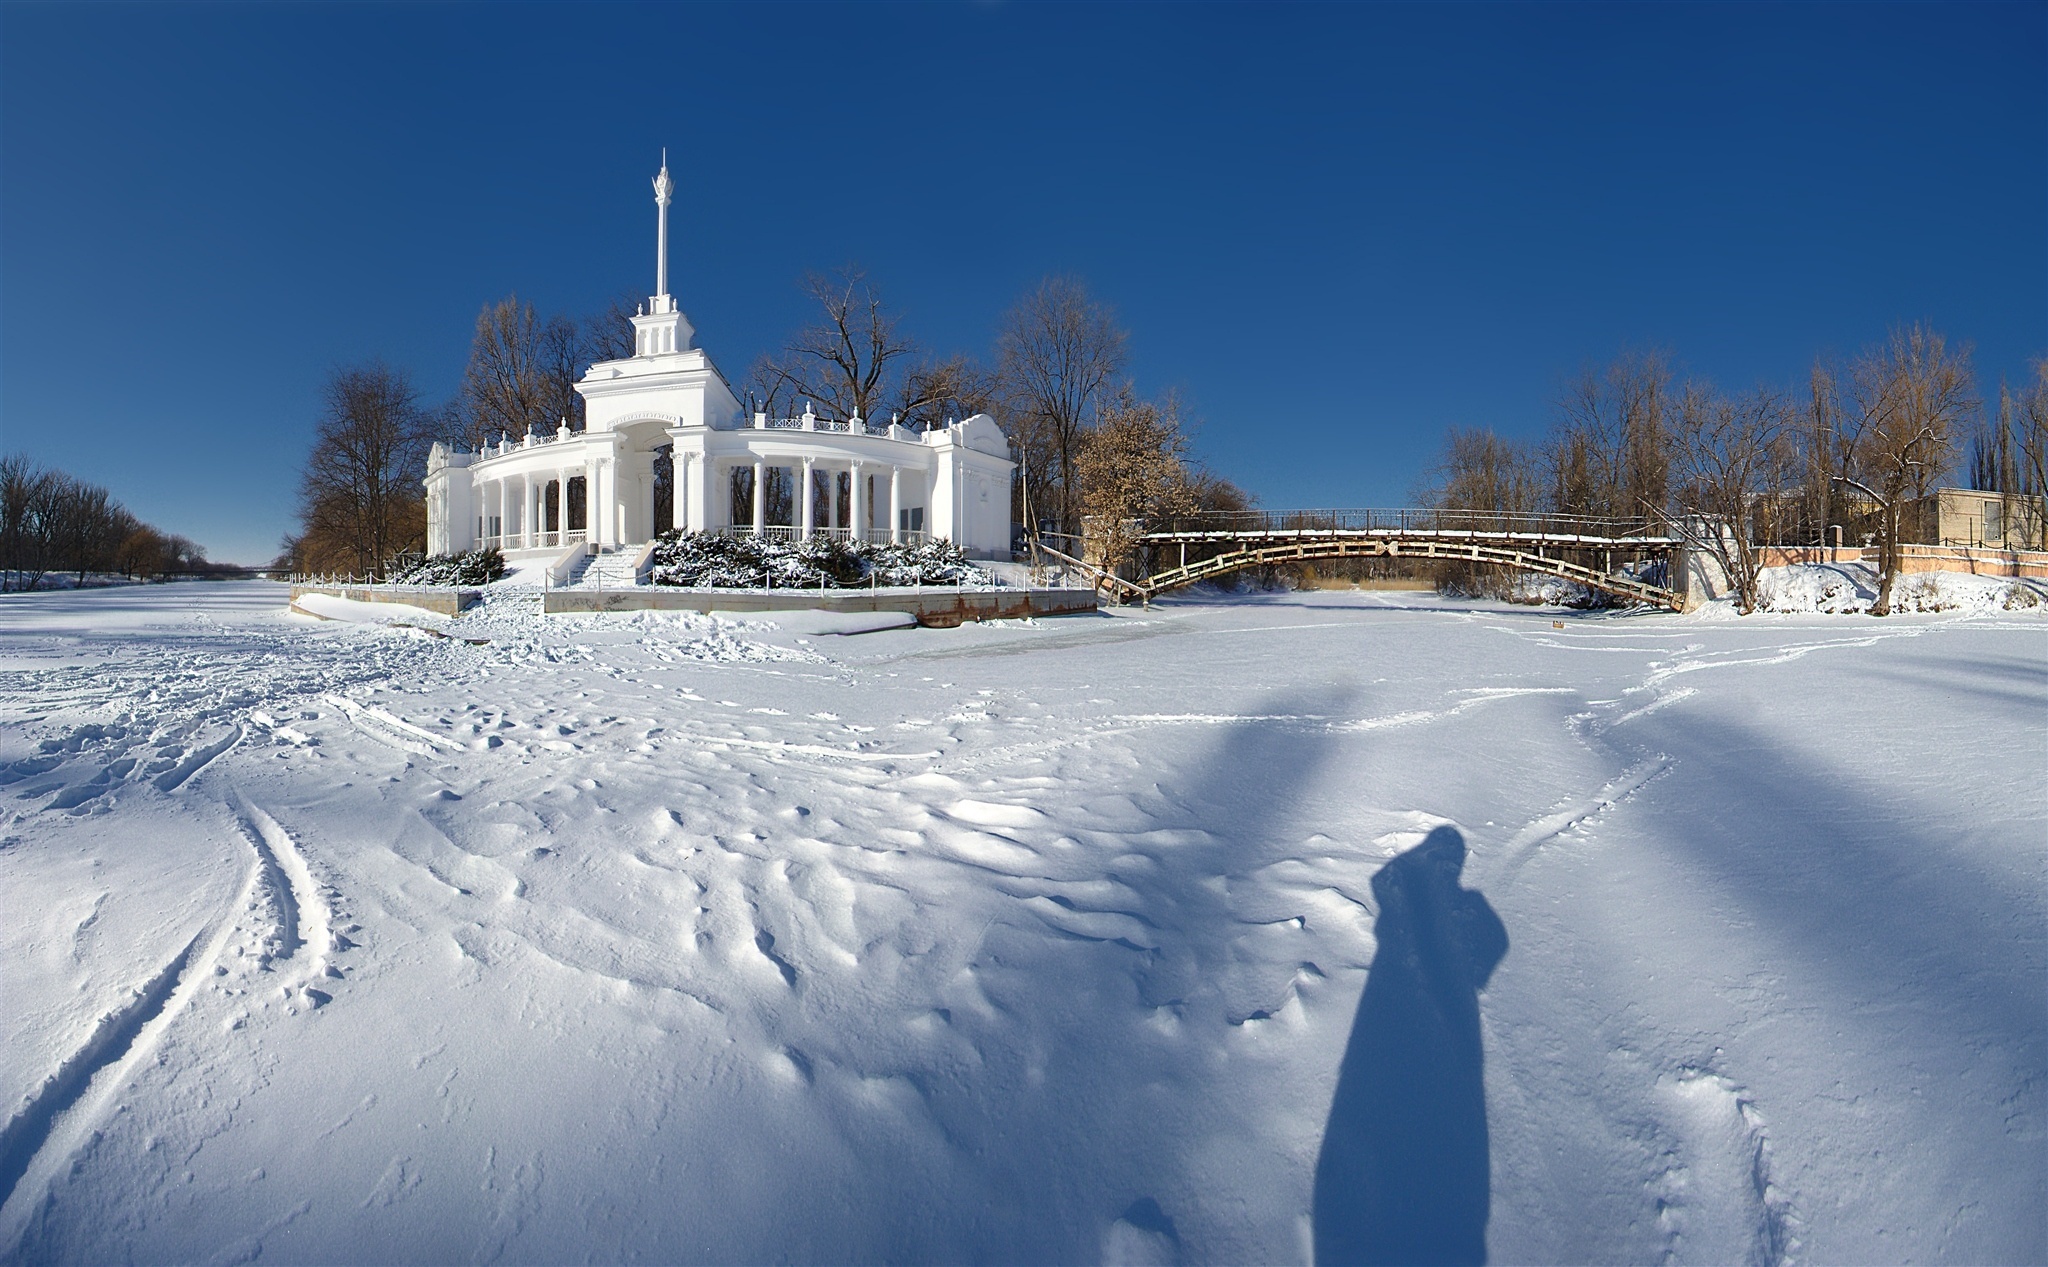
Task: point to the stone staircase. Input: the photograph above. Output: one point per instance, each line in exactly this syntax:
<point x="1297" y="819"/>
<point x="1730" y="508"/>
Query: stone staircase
<point x="576" y="571"/>
<point x="611" y="570"/>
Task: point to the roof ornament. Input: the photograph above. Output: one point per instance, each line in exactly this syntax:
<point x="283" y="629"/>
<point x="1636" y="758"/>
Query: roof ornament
<point x="663" y="189"/>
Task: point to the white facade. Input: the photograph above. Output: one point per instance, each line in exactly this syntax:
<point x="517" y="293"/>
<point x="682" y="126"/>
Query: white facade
<point x="668" y="407"/>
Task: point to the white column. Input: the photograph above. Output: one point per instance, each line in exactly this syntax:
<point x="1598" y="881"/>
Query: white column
<point x="678" y="482"/>
<point x="623" y="496"/>
<point x="526" y="509"/>
<point x="590" y="521"/>
<point x="832" y="497"/>
<point x="561" y="507"/>
<point x="895" y="505"/>
<point x="810" y="501"/>
<point x="702" y="496"/>
<point x="857" y="529"/>
<point x="760" y="496"/>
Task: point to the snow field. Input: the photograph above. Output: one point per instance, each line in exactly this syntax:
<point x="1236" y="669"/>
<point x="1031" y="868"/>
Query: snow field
<point x="703" y="938"/>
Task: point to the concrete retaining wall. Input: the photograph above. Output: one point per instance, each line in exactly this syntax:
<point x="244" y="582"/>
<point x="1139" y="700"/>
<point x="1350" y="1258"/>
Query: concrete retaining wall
<point x="937" y="608"/>
<point x="433" y="598"/>
<point x="1975" y="560"/>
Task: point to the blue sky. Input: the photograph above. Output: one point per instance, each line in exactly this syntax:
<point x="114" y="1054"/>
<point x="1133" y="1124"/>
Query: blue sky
<point x="1337" y="229"/>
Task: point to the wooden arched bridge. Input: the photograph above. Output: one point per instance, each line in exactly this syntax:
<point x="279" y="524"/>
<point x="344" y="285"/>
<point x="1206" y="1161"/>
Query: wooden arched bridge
<point x="1613" y="556"/>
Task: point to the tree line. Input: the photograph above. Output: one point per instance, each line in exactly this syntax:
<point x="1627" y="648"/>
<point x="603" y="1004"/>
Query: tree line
<point x="52" y="523"/>
<point x="1846" y="455"/>
<point x="1055" y="380"/>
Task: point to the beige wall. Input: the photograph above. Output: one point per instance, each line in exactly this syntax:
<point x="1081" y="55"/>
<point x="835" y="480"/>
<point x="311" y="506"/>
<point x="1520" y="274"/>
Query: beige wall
<point x="1975" y="560"/>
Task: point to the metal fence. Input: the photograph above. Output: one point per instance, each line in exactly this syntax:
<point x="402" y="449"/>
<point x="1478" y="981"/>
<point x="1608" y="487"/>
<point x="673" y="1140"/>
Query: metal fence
<point x="1406" y="520"/>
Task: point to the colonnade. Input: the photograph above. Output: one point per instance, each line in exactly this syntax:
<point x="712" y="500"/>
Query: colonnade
<point x="857" y="508"/>
<point x="513" y="509"/>
<point x="520" y="503"/>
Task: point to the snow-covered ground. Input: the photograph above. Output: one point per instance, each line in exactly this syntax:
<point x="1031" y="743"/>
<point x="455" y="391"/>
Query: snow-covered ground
<point x="673" y="937"/>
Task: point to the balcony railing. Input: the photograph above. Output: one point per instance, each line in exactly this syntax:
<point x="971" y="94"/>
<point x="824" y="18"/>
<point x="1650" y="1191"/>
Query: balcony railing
<point x="540" y="540"/>
<point x="786" y="532"/>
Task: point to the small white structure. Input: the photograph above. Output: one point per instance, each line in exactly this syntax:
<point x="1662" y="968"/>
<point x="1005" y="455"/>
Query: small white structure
<point x="666" y="445"/>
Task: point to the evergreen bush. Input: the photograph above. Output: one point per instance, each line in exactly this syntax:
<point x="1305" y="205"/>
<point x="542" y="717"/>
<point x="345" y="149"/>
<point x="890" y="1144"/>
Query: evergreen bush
<point x="710" y="560"/>
<point x="477" y="567"/>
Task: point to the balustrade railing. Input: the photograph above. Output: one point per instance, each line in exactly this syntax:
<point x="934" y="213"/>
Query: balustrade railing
<point x="787" y="532"/>
<point x="540" y="541"/>
<point x="844" y="426"/>
<point x="1408" y="520"/>
<point x="505" y="445"/>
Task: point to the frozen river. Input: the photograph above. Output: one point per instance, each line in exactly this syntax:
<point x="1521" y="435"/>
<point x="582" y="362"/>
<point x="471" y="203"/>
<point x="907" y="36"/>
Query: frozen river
<point x="1348" y="925"/>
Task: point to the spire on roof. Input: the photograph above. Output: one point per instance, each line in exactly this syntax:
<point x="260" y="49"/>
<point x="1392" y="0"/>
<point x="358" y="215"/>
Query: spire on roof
<point x="663" y="188"/>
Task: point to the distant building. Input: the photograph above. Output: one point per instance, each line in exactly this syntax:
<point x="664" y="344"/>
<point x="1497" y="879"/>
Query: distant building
<point x="666" y="445"/>
<point x="1968" y="517"/>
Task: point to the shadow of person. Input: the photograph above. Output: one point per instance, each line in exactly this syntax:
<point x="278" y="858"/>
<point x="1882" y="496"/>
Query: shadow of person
<point x="1403" y="1173"/>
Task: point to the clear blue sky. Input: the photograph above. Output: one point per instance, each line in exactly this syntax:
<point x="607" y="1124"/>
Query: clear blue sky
<point x="1338" y="229"/>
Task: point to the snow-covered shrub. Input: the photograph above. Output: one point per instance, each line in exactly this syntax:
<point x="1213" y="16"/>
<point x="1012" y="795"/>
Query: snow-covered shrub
<point x="1851" y="588"/>
<point x="932" y="563"/>
<point x="477" y="567"/>
<point x="712" y="560"/>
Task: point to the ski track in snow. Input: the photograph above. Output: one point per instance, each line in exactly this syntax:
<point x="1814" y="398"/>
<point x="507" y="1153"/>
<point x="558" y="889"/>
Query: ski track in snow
<point x="279" y="917"/>
<point x="62" y="1118"/>
<point x="298" y="905"/>
<point x="112" y="1040"/>
<point x="1525" y="844"/>
<point x="1716" y="1196"/>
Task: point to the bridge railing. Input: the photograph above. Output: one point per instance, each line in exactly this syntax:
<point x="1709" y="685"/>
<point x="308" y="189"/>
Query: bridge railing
<point x="1407" y="519"/>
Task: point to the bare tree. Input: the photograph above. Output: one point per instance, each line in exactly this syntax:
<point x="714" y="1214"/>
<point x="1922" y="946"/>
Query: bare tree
<point x="89" y="524"/>
<point x="1057" y="355"/>
<point x="1909" y="399"/>
<point x="606" y="335"/>
<point x="521" y="373"/>
<point x="2033" y="432"/>
<point x="2005" y="455"/>
<point x="1608" y="453"/>
<point x="1486" y="475"/>
<point x="846" y="361"/>
<point x="23" y="544"/>
<point x="2025" y="422"/>
<point x="360" y="500"/>
<point x="1729" y="472"/>
<point x="1133" y="466"/>
<point x="935" y="392"/>
<point x="1486" y="480"/>
<point x="1214" y="494"/>
<point x="1815" y="452"/>
<point x="142" y="553"/>
<point x="48" y="521"/>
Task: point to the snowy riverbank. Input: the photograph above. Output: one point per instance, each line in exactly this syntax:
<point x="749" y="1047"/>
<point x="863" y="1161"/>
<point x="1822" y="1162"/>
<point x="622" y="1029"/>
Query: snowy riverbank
<point x="698" y="939"/>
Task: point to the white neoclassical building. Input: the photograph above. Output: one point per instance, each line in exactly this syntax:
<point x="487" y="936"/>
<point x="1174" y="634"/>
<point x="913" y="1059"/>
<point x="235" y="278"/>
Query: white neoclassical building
<point x="666" y="445"/>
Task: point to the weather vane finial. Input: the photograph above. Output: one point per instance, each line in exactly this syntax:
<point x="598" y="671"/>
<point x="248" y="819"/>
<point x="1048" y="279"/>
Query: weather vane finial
<point x="663" y="187"/>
